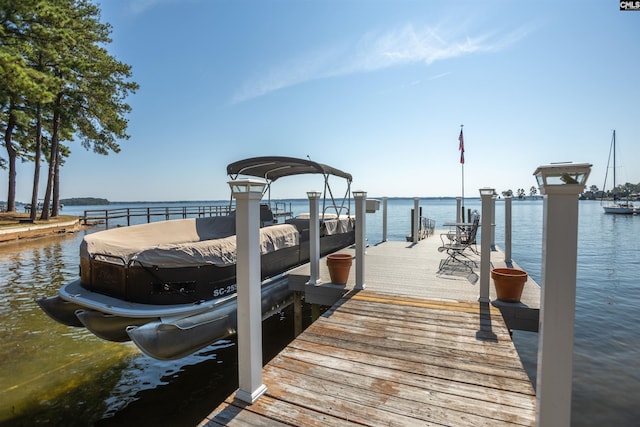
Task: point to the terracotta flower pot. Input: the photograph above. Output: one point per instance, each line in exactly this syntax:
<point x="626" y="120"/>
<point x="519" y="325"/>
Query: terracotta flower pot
<point x="339" y="266"/>
<point x="509" y="283"/>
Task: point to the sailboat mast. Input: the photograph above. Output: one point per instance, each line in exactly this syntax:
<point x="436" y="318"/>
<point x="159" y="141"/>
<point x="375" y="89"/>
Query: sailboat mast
<point x="614" y="161"/>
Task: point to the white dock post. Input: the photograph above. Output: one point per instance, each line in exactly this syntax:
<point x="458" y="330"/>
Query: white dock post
<point x="314" y="237"/>
<point x="486" y="194"/>
<point x="507" y="230"/>
<point x="361" y="234"/>
<point x="416" y="219"/>
<point x="493" y="222"/>
<point x="248" y="193"/>
<point x="560" y="184"/>
<point x="384" y="219"/>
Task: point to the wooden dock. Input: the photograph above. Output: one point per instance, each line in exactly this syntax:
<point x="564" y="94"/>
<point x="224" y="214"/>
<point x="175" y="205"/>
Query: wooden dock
<point x="414" y="348"/>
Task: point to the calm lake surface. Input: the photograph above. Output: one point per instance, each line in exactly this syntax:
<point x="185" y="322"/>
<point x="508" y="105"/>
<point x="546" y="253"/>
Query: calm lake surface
<point x="53" y="374"/>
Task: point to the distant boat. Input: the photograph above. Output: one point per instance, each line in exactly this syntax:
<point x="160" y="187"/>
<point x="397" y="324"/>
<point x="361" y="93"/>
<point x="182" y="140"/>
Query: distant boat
<point x="625" y="207"/>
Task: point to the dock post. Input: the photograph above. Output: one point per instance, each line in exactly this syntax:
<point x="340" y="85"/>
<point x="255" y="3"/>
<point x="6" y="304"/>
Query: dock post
<point x="493" y="222"/>
<point x="384" y="219"/>
<point x="507" y="230"/>
<point x="248" y="193"/>
<point x="314" y="237"/>
<point x="560" y="185"/>
<point x="361" y="234"/>
<point x="297" y="313"/>
<point x="486" y="194"/>
<point x="459" y="215"/>
<point x="416" y="219"/>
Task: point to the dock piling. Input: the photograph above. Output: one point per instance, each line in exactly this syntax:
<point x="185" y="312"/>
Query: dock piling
<point x="248" y="194"/>
<point x="314" y="237"/>
<point x="361" y="234"/>
<point x="486" y="194"/>
<point x="560" y="184"/>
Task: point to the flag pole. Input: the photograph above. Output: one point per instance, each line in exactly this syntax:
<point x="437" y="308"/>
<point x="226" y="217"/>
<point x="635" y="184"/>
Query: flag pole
<point x="461" y="148"/>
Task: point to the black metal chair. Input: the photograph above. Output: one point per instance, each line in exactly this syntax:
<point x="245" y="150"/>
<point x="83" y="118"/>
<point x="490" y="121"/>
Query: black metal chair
<point x="460" y="244"/>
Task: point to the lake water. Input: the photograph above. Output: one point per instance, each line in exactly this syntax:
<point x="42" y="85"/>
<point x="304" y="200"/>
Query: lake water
<point x="53" y="374"/>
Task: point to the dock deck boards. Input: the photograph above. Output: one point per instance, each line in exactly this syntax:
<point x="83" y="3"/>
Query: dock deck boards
<point x="414" y="348"/>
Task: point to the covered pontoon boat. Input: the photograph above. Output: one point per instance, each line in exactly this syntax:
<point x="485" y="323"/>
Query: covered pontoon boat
<point x="170" y="286"/>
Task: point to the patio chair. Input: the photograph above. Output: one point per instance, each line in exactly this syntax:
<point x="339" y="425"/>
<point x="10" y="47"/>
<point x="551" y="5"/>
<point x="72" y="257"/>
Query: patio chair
<point x="460" y="245"/>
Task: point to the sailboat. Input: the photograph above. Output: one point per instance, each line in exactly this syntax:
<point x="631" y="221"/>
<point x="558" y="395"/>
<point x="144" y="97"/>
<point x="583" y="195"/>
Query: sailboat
<point x="617" y="207"/>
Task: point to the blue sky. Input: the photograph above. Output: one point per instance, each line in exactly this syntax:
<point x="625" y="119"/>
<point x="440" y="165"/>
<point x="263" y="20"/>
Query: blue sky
<point x="376" y="88"/>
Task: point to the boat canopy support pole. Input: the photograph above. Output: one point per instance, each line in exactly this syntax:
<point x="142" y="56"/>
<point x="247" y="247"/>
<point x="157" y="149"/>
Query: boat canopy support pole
<point x="345" y="198"/>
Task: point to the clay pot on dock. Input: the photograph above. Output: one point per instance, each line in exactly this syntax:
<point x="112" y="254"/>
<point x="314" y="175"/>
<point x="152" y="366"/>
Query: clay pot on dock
<point x="339" y="266"/>
<point x="509" y="283"/>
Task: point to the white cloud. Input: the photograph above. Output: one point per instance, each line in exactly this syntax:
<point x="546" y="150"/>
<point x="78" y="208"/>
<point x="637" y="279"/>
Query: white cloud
<point x="402" y="46"/>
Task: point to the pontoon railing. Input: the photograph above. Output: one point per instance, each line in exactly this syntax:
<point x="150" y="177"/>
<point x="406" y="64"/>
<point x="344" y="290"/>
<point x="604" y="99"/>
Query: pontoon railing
<point x="152" y="213"/>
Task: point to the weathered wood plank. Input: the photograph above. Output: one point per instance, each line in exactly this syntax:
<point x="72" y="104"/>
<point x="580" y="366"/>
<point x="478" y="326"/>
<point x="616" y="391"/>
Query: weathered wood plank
<point x="385" y="381"/>
<point x="271" y="411"/>
<point x="379" y="359"/>
<point x="459" y="372"/>
<point x="389" y="402"/>
<point x="389" y="339"/>
<point x="391" y="370"/>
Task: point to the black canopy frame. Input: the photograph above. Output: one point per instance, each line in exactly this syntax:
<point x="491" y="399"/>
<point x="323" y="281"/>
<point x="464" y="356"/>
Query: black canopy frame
<point x="271" y="168"/>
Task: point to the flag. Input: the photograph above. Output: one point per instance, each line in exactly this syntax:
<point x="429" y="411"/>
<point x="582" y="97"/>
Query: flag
<point x="461" y="148"/>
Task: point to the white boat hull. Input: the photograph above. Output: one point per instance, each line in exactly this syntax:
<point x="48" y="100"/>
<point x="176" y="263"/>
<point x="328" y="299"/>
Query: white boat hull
<point x="621" y="210"/>
<point x="160" y="331"/>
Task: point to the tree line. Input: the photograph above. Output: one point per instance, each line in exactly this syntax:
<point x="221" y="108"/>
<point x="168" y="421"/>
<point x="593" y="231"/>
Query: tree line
<point x="620" y="191"/>
<point x="58" y="84"/>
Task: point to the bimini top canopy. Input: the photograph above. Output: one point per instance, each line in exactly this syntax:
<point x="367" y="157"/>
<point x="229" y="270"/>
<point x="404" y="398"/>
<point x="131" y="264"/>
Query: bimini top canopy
<point x="272" y="168"/>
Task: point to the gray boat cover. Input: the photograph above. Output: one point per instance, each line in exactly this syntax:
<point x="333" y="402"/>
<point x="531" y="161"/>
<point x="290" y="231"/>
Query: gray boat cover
<point x="180" y="243"/>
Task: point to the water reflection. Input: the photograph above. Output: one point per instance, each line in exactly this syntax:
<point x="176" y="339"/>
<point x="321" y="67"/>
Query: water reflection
<point x="53" y="374"/>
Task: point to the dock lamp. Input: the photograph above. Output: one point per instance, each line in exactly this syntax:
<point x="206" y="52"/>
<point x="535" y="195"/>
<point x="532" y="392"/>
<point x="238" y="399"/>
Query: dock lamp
<point x="486" y="196"/>
<point x="361" y="234"/>
<point x="569" y="178"/>
<point x="248" y="193"/>
<point x="560" y="184"/>
<point x="314" y="237"/>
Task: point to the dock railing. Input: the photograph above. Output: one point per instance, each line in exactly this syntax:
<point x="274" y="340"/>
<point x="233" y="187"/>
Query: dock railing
<point x="94" y="216"/>
<point x="426" y="227"/>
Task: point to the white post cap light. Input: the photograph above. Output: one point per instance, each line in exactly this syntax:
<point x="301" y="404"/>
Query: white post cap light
<point x="359" y="193"/>
<point x="563" y="177"/>
<point x="486" y="191"/>
<point x="247" y="185"/>
<point x="313" y="194"/>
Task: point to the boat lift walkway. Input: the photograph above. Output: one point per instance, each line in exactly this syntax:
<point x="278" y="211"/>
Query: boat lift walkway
<point x="415" y="347"/>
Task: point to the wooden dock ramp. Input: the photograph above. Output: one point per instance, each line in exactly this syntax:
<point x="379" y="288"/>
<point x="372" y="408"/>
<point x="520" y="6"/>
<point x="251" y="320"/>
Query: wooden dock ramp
<point x="379" y="359"/>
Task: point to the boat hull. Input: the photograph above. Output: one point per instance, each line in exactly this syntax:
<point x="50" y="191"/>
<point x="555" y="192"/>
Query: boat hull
<point x="165" y="333"/>
<point x="168" y="340"/>
<point x="621" y="210"/>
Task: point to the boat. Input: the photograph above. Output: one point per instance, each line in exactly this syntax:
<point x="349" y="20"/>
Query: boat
<point x="625" y="207"/>
<point x="170" y="286"/>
